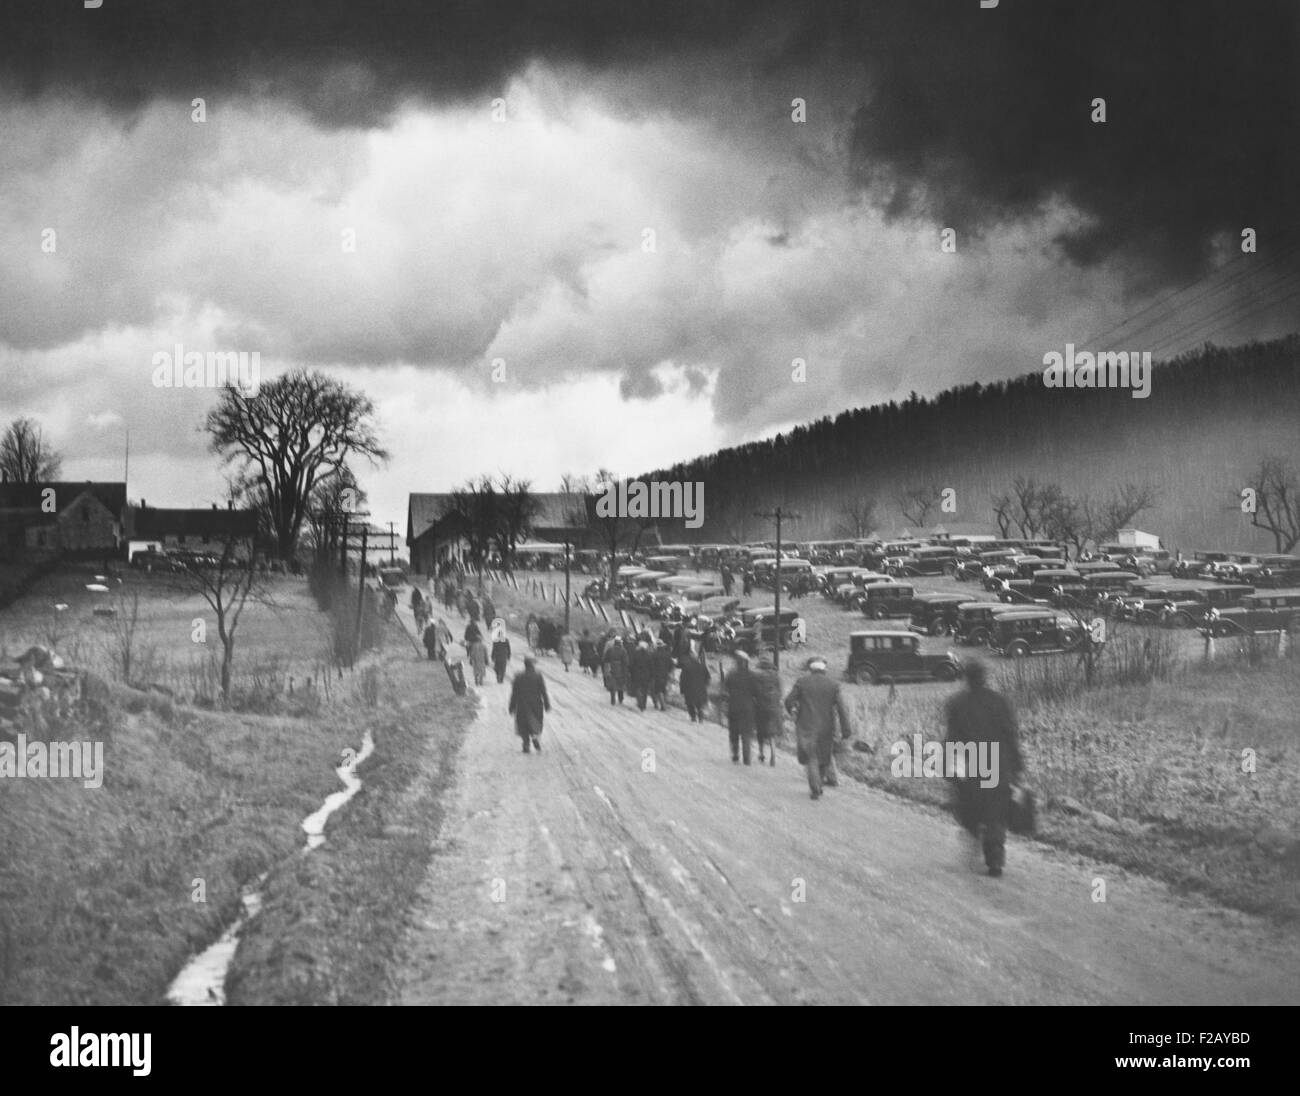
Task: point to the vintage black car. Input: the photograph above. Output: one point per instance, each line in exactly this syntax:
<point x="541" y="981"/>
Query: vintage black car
<point x="876" y="656"/>
<point x="1028" y="568"/>
<point x="926" y="561"/>
<point x="1099" y="585"/>
<point x="1198" y="564"/>
<point x="1264" y="611"/>
<point x="935" y="614"/>
<point x="1190" y="608"/>
<point x="1033" y="632"/>
<point x="887" y="599"/>
<point x="752" y="629"/>
<point x="975" y="621"/>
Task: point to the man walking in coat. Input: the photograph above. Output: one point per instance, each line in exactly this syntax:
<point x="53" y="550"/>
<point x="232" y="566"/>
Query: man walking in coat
<point x="980" y="717"/>
<point x="528" y="703"/>
<point x="743" y="699"/>
<point x="695" y="685"/>
<point x="661" y="669"/>
<point x="640" y="672"/>
<point x="614" y="668"/>
<point x="816" y="702"/>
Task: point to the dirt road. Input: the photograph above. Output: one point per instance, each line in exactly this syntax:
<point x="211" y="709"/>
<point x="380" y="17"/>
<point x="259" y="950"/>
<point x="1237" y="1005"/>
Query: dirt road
<point x="596" y="873"/>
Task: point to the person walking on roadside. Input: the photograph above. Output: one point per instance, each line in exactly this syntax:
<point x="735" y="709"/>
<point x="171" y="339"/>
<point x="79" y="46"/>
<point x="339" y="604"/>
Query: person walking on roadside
<point x="472" y="632"/>
<point x="661" y="669"/>
<point x="768" y="718"/>
<point x="694" y="684"/>
<point x="588" y="662"/>
<point x="614" y="669"/>
<point x="433" y="642"/>
<point x="816" y="702"/>
<point x="478" y="659"/>
<point x="564" y="645"/>
<point x="640" y="669"/>
<point x="728" y="580"/>
<point x="748" y="577"/>
<point x="500" y="656"/>
<point x="740" y="687"/>
<point x="528" y="704"/>
<point x="982" y="723"/>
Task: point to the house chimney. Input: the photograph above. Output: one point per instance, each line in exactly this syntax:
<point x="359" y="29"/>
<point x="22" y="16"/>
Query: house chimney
<point x="230" y="504"/>
<point x="214" y="506"/>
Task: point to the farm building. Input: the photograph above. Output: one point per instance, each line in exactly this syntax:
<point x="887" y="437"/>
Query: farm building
<point x="41" y="519"/>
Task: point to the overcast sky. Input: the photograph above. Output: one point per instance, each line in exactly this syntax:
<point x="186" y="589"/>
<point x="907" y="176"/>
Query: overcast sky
<point x="525" y="239"/>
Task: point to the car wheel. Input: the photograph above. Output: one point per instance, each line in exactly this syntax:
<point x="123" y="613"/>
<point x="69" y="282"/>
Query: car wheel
<point x="1180" y="620"/>
<point x="878" y="613"/>
<point x="945" y="671"/>
<point x="869" y="675"/>
<point x="979" y="638"/>
<point x="951" y="571"/>
<point x="1018" y="649"/>
<point x="938" y="628"/>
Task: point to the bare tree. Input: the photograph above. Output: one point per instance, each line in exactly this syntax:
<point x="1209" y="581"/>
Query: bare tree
<point x="916" y="502"/>
<point x="335" y="493"/>
<point x="123" y="625"/>
<point x="25" y="457"/>
<point x="1118" y="510"/>
<point x="298" y="428"/>
<point x="1277" y="502"/>
<point x="1025" y="511"/>
<point x="476" y="505"/>
<point x="516" y="508"/>
<point x="1002" y="514"/>
<point x="858" y="517"/>
<point x="227" y="583"/>
<point x="616" y="531"/>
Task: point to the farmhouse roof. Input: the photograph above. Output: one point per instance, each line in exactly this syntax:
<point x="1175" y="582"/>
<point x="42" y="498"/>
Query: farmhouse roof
<point x="152" y="523"/>
<point x="30" y="496"/>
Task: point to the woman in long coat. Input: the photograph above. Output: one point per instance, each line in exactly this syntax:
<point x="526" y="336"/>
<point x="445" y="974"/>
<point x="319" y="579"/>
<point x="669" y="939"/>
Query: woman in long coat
<point x="500" y="656"/>
<point x="528" y="703"/>
<point x="695" y="686"/>
<point x="615" y="669"/>
<point x="478" y="660"/>
<point x="588" y="660"/>
<point x="565" y="646"/>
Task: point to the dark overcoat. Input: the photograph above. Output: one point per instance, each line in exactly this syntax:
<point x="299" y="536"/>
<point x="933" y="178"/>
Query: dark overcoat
<point x="817" y="702"/>
<point x="528" y="703"/>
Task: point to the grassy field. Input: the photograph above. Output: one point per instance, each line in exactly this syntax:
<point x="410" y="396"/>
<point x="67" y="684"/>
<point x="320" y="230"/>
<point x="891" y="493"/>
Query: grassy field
<point x="1145" y="770"/>
<point x="106" y="892"/>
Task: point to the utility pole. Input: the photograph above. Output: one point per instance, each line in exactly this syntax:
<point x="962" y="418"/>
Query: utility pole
<point x="361" y="594"/>
<point x="566" y="585"/>
<point x="779" y="515"/>
<point x="392" y="544"/>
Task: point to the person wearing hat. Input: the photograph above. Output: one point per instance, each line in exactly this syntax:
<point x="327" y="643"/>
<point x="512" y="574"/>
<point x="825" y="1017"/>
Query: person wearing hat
<point x="981" y="717"/>
<point x="614" y="668"/>
<point x="640" y="669"/>
<point x="528" y="704"/>
<point x="768" y="717"/>
<point x="661" y="669"/>
<point x="694" y="683"/>
<point x="816" y="702"/>
<point x="741" y="689"/>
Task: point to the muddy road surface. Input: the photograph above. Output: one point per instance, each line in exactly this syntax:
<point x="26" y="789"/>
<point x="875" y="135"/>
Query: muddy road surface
<point x="632" y="862"/>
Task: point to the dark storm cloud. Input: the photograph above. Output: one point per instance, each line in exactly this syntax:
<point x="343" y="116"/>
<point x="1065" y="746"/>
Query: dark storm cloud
<point x="974" y="116"/>
<point x="981" y="116"/>
<point x="348" y="62"/>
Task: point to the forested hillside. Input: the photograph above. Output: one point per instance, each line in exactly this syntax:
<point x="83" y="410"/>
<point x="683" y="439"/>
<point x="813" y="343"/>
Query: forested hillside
<point x="1212" y="416"/>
